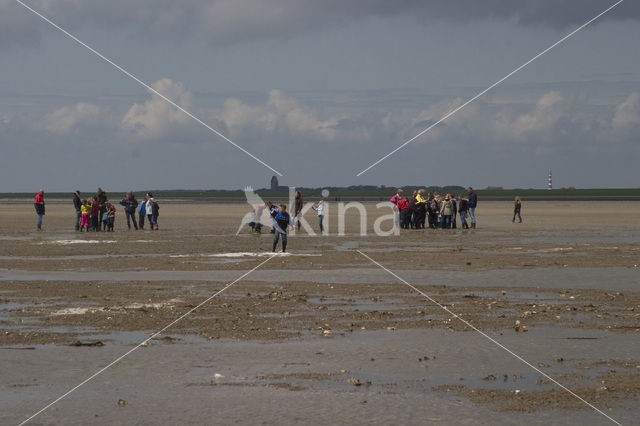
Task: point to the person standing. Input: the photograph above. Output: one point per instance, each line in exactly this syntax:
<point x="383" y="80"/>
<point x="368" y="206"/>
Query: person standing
<point x="454" y="204"/>
<point x="433" y="209"/>
<point x="412" y="208"/>
<point x="77" y="204"/>
<point x="396" y="210"/>
<point x="85" y="208"/>
<point x="130" y="203"/>
<point x="516" y="209"/>
<point x="473" y="203"/>
<point x="298" y="209"/>
<point x="420" y="210"/>
<point x="463" y="206"/>
<point x="282" y="223"/>
<point x="101" y="197"/>
<point x="446" y="211"/>
<point x="320" y="209"/>
<point x="142" y="212"/>
<point x="405" y="213"/>
<point x="38" y="203"/>
<point x="94" y="215"/>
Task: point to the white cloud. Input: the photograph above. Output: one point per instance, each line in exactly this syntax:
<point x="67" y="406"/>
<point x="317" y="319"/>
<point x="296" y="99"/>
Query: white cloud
<point x="67" y="119"/>
<point x="156" y="116"/>
<point x="627" y="114"/>
<point x="282" y="115"/>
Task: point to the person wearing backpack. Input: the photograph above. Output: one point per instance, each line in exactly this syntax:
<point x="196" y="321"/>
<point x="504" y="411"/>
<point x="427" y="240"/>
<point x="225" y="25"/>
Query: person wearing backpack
<point x="433" y="210"/>
<point x="446" y="212"/>
<point x="282" y="222"/>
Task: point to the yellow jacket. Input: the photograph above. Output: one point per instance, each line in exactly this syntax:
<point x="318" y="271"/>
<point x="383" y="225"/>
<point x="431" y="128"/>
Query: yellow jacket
<point x="85" y="208"/>
<point x="420" y="199"/>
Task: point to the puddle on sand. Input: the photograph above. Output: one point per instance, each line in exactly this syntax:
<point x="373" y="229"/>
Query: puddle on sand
<point x="544" y="278"/>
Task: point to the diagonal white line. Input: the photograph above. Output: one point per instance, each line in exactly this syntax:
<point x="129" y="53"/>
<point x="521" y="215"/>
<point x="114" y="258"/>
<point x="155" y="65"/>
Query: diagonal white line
<point x="500" y="345"/>
<point x="148" y="87"/>
<point x="143" y="342"/>
<point x="449" y="114"/>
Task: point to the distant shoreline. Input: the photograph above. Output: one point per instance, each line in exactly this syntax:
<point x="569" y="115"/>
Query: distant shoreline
<point x="365" y="194"/>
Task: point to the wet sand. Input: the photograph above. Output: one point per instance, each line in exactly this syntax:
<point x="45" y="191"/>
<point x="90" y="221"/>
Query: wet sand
<point x="322" y="333"/>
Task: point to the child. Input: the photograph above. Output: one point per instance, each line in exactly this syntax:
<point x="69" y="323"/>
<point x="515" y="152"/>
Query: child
<point x="282" y="221"/>
<point x="85" y="208"/>
<point x="255" y="224"/>
<point x="111" y="216"/>
<point x="273" y="211"/>
<point x="94" y="215"/>
<point x="320" y="209"/>
<point x="142" y="212"/>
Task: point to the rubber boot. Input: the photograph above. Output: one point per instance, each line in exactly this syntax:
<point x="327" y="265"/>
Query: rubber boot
<point x="473" y="226"/>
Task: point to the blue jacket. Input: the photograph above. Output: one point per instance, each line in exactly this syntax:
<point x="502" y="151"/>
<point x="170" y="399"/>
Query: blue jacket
<point x="282" y="220"/>
<point x="142" y="208"/>
<point x="473" y="200"/>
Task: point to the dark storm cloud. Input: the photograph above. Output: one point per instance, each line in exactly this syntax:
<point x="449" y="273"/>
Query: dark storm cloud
<point x="230" y="21"/>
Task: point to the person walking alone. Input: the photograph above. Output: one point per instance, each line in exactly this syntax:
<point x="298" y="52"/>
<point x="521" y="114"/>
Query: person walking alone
<point x="38" y="204"/>
<point x="473" y="203"/>
<point x="517" y="205"/>
<point x="282" y="222"/>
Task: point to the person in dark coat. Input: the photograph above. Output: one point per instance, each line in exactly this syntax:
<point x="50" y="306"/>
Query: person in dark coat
<point x="473" y="203"/>
<point x="517" y="206"/>
<point x="101" y="197"/>
<point x="77" y="204"/>
<point x="130" y="204"/>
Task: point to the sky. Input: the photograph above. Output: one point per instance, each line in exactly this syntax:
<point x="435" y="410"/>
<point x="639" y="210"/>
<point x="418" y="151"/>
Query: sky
<point x="318" y="90"/>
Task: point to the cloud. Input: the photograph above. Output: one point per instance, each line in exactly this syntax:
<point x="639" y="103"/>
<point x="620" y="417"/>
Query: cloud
<point x="224" y="22"/>
<point x="157" y="117"/>
<point x="627" y="114"/>
<point x="66" y="120"/>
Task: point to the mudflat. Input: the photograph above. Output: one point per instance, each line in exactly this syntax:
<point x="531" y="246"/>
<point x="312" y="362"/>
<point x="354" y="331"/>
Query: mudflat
<point x="321" y="334"/>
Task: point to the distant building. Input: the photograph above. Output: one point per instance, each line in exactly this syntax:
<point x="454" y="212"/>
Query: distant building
<point x="274" y="183"/>
<point x="549" y="183"/>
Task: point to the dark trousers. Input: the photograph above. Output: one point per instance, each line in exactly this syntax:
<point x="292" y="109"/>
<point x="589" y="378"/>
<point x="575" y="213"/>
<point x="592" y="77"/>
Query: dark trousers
<point x="276" y="237"/>
<point x="446" y="221"/>
<point x="433" y="220"/>
<point x="78" y="217"/>
<point x="516" y="213"/>
<point x="131" y="217"/>
<point x="141" y="220"/>
<point x="95" y="224"/>
<point x="405" y="218"/>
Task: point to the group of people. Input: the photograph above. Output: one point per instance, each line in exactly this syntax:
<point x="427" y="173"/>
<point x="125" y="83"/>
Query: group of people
<point x="436" y="210"/>
<point x="98" y="213"/>
<point x="256" y="225"/>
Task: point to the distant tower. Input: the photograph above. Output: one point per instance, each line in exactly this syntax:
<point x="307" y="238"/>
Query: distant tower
<point x="549" y="184"/>
<point x="274" y="182"/>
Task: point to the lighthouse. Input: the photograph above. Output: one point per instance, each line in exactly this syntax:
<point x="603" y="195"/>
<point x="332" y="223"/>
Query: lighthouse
<point x="549" y="184"/>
